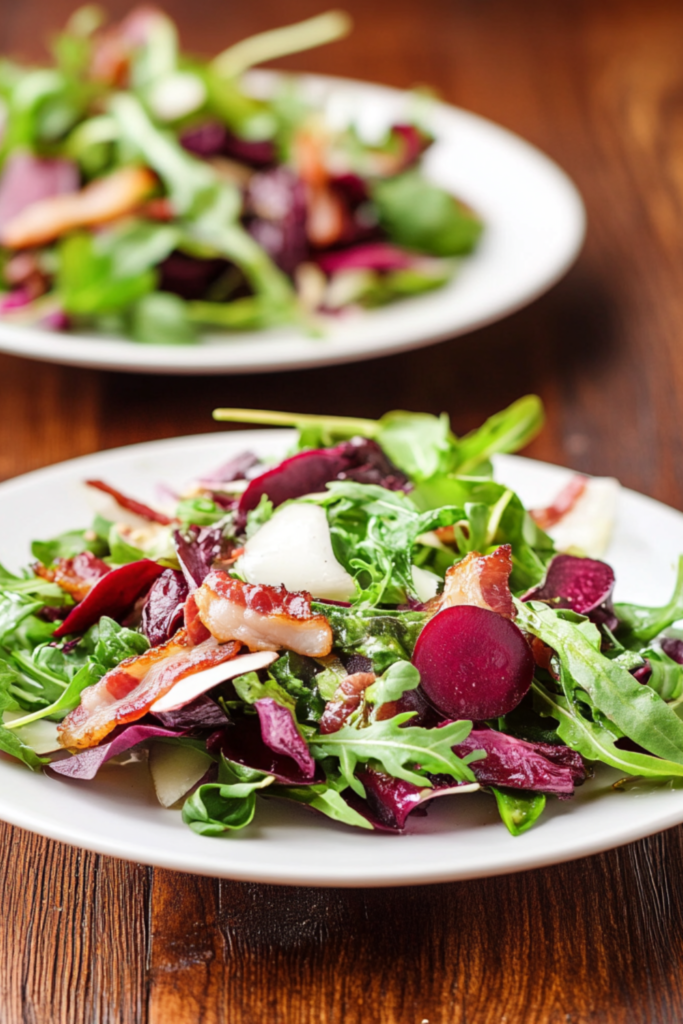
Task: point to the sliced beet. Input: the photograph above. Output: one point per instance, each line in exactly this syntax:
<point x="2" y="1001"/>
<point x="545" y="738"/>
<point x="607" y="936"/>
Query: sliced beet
<point x="582" y="584"/>
<point x="473" y="663"/>
<point x="113" y="595"/>
<point x="515" y="763"/>
<point x="86" y="764"/>
<point x="307" y="472"/>
<point x="241" y="740"/>
<point x="162" y="612"/>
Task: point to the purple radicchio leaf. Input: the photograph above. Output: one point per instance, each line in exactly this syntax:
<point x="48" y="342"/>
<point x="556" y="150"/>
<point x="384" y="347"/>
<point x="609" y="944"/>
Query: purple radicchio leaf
<point x="162" y="612"/>
<point x="389" y="801"/>
<point x="279" y="732"/>
<point x="112" y="595"/>
<point x="201" y="713"/>
<point x="26" y="179"/>
<point x="522" y="765"/>
<point x="277" y="201"/>
<point x="235" y="468"/>
<point x="583" y="584"/>
<point x="242" y="741"/>
<point x="360" y="459"/>
<point x="87" y="764"/>
<point x="197" y="549"/>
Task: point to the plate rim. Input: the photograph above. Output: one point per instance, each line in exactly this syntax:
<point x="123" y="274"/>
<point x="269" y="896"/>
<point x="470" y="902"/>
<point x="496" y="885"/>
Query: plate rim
<point x="176" y="359"/>
<point x="518" y="859"/>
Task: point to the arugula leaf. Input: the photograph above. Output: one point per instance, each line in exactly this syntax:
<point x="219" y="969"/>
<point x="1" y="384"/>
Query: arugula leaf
<point x="506" y="431"/>
<point x="638" y="623"/>
<point x="294" y="674"/>
<point x="421" y="445"/>
<point x="373" y="531"/>
<point x="199" y="512"/>
<point x="596" y="741"/>
<point x="636" y="710"/>
<point x="88" y="281"/>
<point x="13" y="745"/>
<point x="226" y="805"/>
<point x="162" y="319"/>
<point x="519" y="809"/>
<point x="384" y="637"/>
<point x="394" y="747"/>
<point x="667" y="674"/>
<point x="420" y="215"/>
<point x="68" y="544"/>
<point x="325" y="800"/>
<point x="398" y="678"/>
<point x="250" y="689"/>
<point x="121" y="552"/>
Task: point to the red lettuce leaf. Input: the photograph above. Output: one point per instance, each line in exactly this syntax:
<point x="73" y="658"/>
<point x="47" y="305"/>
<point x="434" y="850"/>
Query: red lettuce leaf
<point x="113" y="595"/>
<point x="162" y="613"/>
<point x="519" y="764"/>
<point x="86" y="764"/>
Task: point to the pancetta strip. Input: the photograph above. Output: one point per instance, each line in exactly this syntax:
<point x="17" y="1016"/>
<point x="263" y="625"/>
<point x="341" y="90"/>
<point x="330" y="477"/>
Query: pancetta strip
<point x="101" y="201"/>
<point x="563" y="503"/>
<point x="127" y="692"/>
<point x="481" y="580"/>
<point x="76" y="576"/>
<point x="262" y="617"/>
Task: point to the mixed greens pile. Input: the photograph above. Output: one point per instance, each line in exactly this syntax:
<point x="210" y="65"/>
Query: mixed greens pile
<point x="149" y="192"/>
<point x="467" y="654"/>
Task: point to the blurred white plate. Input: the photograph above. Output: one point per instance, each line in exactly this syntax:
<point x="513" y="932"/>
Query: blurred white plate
<point x="461" y="837"/>
<point x="535" y="225"/>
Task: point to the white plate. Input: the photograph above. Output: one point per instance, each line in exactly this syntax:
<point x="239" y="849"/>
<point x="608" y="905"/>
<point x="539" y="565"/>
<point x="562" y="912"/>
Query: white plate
<point x="535" y="224"/>
<point x="461" y="837"/>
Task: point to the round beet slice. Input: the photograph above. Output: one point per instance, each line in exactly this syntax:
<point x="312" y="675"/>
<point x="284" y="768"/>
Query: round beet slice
<point x="473" y="663"/>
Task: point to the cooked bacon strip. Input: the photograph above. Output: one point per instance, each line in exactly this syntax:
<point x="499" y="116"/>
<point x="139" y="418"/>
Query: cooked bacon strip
<point x="131" y="504"/>
<point x="564" y="502"/>
<point x="76" y="576"/>
<point x="127" y="692"/>
<point x="481" y="580"/>
<point x="262" y="617"/>
<point x="346" y="699"/>
<point x="102" y="200"/>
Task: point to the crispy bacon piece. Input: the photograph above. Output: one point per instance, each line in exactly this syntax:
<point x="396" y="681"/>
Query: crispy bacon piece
<point x="131" y="504"/>
<point x="196" y="630"/>
<point x="77" y="576"/>
<point x="127" y="692"/>
<point x="262" y="617"/>
<point x="345" y="701"/>
<point x="481" y="580"/>
<point x="564" y="502"/>
<point x="102" y="200"/>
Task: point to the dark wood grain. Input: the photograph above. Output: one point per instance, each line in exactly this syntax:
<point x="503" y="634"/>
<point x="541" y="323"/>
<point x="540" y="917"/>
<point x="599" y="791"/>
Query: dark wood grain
<point x="598" y="84"/>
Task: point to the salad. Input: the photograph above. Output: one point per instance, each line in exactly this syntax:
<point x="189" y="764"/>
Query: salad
<point x="367" y="625"/>
<point x="152" y="193"/>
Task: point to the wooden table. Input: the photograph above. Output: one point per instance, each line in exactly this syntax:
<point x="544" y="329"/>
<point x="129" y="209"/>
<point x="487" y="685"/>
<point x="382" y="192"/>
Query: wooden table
<point x="599" y="86"/>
